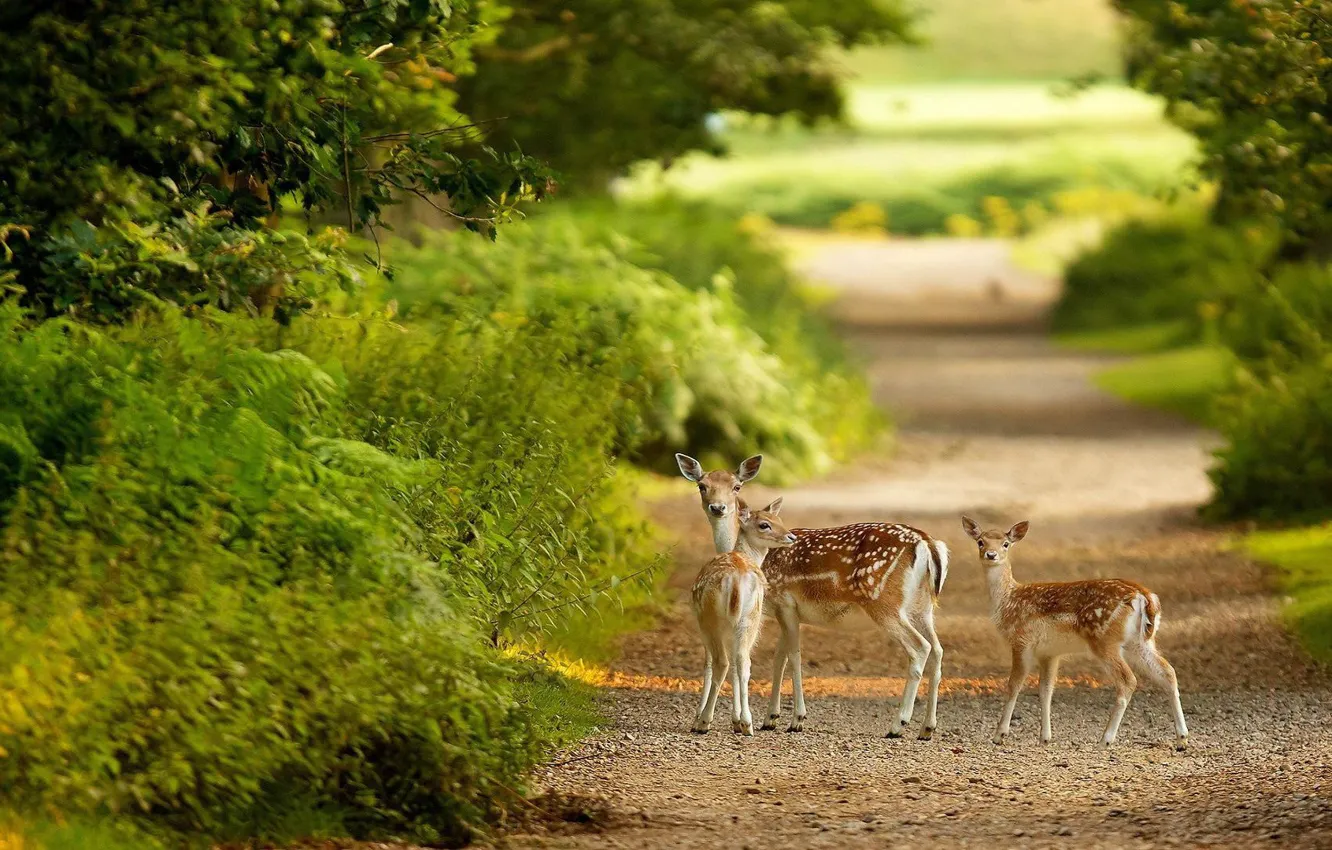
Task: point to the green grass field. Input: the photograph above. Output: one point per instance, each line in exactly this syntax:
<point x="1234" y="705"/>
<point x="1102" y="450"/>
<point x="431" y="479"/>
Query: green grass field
<point x="933" y="130"/>
<point x="1303" y="560"/>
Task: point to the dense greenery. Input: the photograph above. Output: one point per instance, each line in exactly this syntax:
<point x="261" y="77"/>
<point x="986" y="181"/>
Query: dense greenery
<point x="727" y="354"/>
<point x="1161" y="269"/>
<point x="593" y="86"/>
<point x="144" y="147"/>
<point x="243" y="579"/>
<point x="255" y="573"/>
<point x="1249" y="79"/>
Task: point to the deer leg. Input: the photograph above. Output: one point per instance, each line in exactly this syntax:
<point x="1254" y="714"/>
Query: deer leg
<point x="778" y="672"/>
<point x="720" y="668"/>
<point x="918" y="651"/>
<point x="741" y="720"/>
<point x="1125" y="684"/>
<point x="1049" y="672"/>
<point x="935" y="665"/>
<point x="791" y="628"/>
<point x="1153" y="663"/>
<point x="1016" y="677"/>
<point x="699" y="725"/>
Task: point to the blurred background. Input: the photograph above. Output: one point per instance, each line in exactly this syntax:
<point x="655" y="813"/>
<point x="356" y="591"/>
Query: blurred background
<point x="344" y="347"/>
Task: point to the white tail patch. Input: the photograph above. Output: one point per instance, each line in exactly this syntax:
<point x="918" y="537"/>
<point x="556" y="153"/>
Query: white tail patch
<point x="940" y="572"/>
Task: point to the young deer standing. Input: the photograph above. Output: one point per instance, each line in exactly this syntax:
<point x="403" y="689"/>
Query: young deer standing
<point x="728" y="602"/>
<point x="894" y="573"/>
<point x="1047" y="620"/>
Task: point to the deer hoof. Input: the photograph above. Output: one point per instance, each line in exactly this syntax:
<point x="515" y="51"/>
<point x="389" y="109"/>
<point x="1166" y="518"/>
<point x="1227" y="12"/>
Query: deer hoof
<point x="1182" y="744"/>
<point x="998" y="739"/>
<point x="926" y="733"/>
<point x="699" y="730"/>
<point x="770" y="725"/>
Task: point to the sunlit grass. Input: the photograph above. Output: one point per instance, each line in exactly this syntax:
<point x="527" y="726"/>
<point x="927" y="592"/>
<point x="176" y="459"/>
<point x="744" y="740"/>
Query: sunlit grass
<point x="1183" y="381"/>
<point x="1303" y="559"/>
<point x="1138" y="339"/>
<point x="1011" y="39"/>
<point x="924" y="152"/>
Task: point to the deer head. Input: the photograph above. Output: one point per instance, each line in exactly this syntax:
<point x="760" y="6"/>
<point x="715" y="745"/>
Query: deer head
<point x="719" y="489"/>
<point x="762" y="530"/>
<point x="994" y="544"/>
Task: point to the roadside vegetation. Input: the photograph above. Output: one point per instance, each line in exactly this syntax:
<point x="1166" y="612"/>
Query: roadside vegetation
<point x="1230" y="301"/>
<point x="302" y="518"/>
<point x="965" y="134"/>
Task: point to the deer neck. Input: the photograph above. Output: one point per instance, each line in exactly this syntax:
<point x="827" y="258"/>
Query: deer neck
<point x="1001" y="584"/>
<point x="750" y="551"/>
<point x="725" y="532"/>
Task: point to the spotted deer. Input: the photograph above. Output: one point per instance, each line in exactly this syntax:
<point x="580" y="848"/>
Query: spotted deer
<point x="894" y="573"/>
<point x="1042" y="622"/>
<point x="728" y="603"/>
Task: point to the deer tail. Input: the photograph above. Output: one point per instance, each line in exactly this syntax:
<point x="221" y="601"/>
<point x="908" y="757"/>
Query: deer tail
<point x="1148" y="608"/>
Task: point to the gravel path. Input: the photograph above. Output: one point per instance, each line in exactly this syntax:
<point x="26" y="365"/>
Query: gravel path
<point x="996" y="422"/>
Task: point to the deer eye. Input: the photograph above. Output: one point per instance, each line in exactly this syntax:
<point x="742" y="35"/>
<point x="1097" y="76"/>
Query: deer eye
<point x="980" y="543"/>
<point x="1005" y="544"/>
<point x="736" y="488"/>
<point x="763" y="526"/>
<point x="702" y="488"/>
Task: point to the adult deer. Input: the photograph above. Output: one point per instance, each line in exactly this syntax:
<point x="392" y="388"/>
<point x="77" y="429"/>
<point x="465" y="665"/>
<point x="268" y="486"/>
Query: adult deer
<point x="1044" y="621"/>
<point x="728" y="604"/>
<point x="894" y="573"/>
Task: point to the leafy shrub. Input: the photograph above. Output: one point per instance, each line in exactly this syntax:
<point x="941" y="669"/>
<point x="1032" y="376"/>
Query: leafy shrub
<point x="1277" y="463"/>
<point x="1155" y="270"/>
<point x="1288" y="314"/>
<point x="864" y="217"/>
<point x="235" y="582"/>
<point x="711" y="383"/>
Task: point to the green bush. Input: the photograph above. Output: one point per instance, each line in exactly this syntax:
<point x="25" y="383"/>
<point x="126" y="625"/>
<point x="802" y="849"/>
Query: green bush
<point x="239" y="581"/>
<point x="1156" y="270"/>
<point x="1288" y="314"/>
<point x="712" y="384"/>
<point x="1277" y="462"/>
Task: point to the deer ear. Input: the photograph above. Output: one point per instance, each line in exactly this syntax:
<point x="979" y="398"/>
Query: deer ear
<point x="749" y="468"/>
<point x="970" y="527"/>
<point x="1018" y="531"/>
<point x="689" y="468"/>
<point x="742" y="512"/>
<point x="775" y="508"/>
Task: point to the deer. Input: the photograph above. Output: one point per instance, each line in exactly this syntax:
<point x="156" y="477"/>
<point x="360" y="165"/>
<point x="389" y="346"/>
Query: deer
<point x="1114" y="620"/>
<point x="728" y="604"/>
<point x="893" y="573"/>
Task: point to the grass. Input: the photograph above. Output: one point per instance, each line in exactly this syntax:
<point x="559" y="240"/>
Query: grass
<point x="1183" y="380"/>
<point x="1302" y="558"/>
<point x="1014" y="39"/>
<point x="1141" y="339"/>
<point x="927" y="151"/>
<point x="981" y="109"/>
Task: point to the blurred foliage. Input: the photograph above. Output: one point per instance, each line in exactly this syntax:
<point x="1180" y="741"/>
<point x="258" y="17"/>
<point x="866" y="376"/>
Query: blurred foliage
<point x="593" y="86"/>
<point x="1303" y="558"/>
<point x="237" y="582"/>
<point x="718" y="378"/>
<point x="1249" y="79"/>
<point x="126" y="127"/>
<point x="863" y="217"/>
<point x="1159" y="269"/>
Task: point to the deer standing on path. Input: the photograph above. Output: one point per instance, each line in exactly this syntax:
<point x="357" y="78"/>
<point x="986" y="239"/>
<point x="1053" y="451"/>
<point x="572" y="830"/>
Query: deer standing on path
<point x="1110" y="618"/>
<point x="728" y="603"/>
<point x="894" y="573"/>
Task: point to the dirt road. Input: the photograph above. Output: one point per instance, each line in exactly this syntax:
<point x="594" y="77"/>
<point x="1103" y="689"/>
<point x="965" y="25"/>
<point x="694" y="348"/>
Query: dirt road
<point x="996" y="422"/>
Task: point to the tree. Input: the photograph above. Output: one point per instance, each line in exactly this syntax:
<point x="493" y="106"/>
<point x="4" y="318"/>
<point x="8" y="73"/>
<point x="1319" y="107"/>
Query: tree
<point x="145" y="147"/>
<point x="592" y="86"/>
<point x="1250" y="79"/>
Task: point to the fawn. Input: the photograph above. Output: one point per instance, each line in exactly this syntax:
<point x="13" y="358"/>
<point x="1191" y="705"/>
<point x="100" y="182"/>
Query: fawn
<point x="728" y="602"/>
<point x="1047" y="620"/>
<point x="894" y="573"/>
